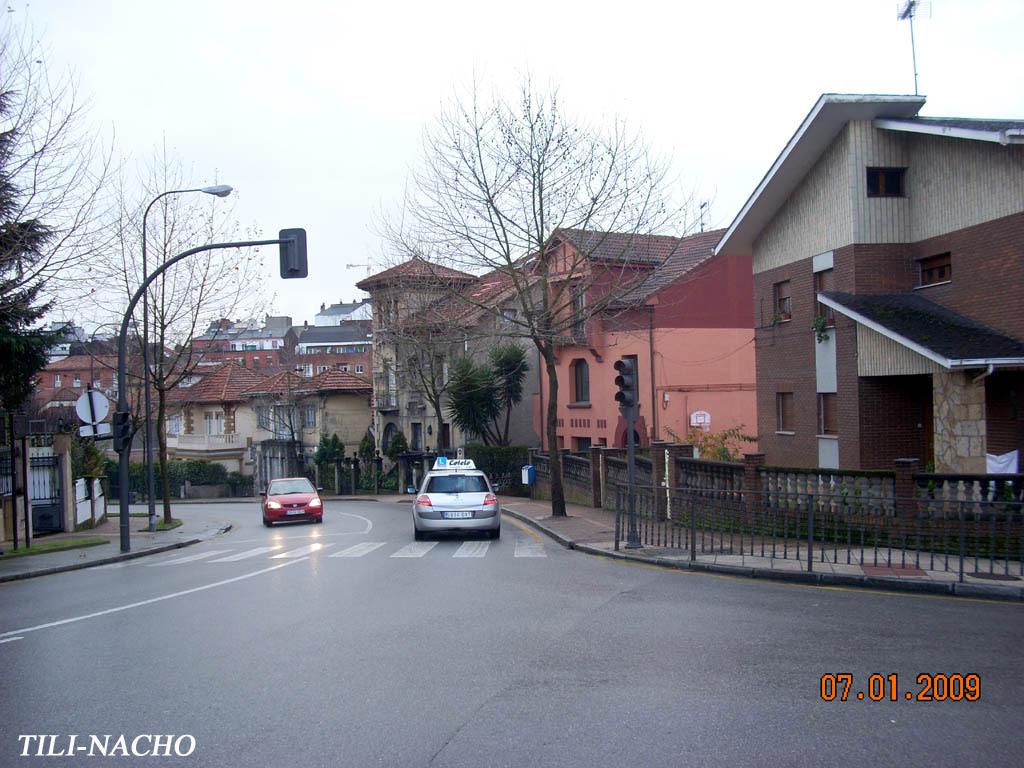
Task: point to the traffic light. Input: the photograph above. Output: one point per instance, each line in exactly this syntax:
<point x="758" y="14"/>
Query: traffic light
<point x="122" y="429"/>
<point x="627" y="396"/>
<point x="293" y="253"/>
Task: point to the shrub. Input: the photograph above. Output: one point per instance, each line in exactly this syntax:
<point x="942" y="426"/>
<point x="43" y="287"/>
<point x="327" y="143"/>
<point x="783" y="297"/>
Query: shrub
<point x="501" y="463"/>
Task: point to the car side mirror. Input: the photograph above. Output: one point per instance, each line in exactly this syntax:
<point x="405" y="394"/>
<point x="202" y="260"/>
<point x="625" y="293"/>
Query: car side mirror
<point x="319" y="489"/>
<point x="263" y="493"/>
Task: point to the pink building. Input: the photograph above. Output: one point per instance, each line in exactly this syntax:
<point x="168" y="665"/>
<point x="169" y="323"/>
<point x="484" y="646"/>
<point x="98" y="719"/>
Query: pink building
<point x="688" y="322"/>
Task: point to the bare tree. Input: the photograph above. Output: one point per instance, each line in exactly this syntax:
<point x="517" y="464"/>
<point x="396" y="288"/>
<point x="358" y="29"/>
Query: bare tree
<point x="187" y="299"/>
<point x="554" y="207"/>
<point x="52" y="173"/>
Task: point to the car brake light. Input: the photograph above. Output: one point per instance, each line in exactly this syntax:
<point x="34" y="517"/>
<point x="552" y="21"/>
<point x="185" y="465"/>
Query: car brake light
<point x="315" y="502"/>
<point x="423" y="501"/>
<point x="490" y="500"/>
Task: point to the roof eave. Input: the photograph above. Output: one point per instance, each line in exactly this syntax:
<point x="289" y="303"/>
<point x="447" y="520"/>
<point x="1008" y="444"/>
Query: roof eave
<point x="1009" y="136"/>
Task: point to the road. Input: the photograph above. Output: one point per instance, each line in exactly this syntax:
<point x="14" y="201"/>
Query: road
<point x="347" y="644"/>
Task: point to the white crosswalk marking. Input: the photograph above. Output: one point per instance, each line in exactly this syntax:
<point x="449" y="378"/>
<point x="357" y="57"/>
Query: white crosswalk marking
<point x="309" y="549"/>
<point x="529" y="548"/>
<point x="358" y="550"/>
<point x="247" y="554"/>
<point x="416" y="549"/>
<point x="189" y="558"/>
<point x="472" y="549"/>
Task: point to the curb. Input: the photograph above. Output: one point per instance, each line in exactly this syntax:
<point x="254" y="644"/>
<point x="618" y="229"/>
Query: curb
<point x="108" y="560"/>
<point x="950" y="589"/>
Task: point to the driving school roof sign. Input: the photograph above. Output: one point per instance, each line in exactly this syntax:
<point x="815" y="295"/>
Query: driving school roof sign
<point x="443" y="462"/>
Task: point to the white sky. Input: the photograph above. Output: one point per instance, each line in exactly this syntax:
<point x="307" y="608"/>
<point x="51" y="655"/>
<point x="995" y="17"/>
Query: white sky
<point x="314" y="111"/>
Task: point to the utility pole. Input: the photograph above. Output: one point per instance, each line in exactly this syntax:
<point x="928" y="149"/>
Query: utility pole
<point x="628" y="400"/>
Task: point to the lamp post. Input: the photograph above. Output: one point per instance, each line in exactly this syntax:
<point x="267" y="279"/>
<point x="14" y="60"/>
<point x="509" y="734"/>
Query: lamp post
<point x="219" y="190"/>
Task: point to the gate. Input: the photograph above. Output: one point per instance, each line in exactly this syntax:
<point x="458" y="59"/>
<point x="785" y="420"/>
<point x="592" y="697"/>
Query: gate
<point x="47" y="494"/>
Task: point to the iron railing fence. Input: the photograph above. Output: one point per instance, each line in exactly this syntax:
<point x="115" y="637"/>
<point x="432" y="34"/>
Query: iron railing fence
<point x="984" y="539"/>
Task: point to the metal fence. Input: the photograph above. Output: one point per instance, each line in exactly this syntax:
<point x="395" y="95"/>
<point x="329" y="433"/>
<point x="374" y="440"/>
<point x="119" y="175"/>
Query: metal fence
<point x="979" y="538"/>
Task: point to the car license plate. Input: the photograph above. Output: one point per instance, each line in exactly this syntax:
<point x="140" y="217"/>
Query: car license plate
<point x="296" y="512"/>
<point x="461" y="514"/>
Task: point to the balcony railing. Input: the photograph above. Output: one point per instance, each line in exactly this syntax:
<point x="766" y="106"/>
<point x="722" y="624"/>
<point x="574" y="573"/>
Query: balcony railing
<point x="206" y="442"/>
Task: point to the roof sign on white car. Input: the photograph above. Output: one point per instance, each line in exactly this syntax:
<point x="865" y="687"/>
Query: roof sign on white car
<point x="443" y="462"/>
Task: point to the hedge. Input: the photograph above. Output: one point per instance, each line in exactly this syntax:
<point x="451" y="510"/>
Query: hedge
<point x="503" y="464"/>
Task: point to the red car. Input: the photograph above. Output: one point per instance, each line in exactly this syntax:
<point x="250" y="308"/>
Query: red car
<point x="292" y="498"/>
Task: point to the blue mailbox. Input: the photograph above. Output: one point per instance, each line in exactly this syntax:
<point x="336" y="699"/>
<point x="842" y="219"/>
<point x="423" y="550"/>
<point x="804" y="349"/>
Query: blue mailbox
<point x="529" y="475"/>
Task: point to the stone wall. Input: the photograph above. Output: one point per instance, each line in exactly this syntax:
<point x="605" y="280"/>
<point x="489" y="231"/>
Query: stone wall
<point x="959" y="413"/>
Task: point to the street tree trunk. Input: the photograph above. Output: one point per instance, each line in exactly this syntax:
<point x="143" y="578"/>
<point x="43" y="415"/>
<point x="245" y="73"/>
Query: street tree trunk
<point x="161" y="440"/>
<point x="551" y="428"/>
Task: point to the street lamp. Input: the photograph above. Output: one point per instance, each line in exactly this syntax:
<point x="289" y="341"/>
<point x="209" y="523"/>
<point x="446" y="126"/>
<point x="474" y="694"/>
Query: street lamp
<point x="218" y="190"/>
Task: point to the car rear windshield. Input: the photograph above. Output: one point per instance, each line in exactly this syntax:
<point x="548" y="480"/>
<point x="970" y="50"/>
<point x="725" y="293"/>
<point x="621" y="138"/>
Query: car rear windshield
<point x="457" y="484"/>
<point x="278" y="487"/>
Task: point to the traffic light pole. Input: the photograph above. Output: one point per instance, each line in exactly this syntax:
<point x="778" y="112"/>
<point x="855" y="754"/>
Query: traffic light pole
<point x="122" y="431"/>
<point x="633" y="533"/>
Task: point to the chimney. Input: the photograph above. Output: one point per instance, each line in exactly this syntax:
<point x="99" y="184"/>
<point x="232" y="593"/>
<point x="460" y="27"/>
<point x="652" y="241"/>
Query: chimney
<point x="323" y="307"/>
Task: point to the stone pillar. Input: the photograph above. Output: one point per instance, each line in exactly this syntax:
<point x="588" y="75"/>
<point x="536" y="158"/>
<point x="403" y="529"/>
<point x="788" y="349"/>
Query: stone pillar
<point x="959" y="423"/>
<point x="904" y="487"/>
<point x="355" y="473"/>
<point x="62" y="450"/>
<point x="596" y="468"/>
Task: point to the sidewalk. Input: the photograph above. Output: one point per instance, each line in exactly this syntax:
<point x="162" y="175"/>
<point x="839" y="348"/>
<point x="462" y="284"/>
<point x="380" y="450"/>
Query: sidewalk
<point x="142" y="543"/>
<point x="593" y="531"/>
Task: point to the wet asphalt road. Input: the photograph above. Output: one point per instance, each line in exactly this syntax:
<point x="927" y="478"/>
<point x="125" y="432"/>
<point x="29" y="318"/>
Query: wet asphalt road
<point x="348" y="644"/>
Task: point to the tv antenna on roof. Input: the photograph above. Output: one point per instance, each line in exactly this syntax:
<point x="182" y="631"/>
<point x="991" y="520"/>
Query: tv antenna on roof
<point x="369" y="267"/>
<point x="907" y="12"/>
<point x="703" y="208"/>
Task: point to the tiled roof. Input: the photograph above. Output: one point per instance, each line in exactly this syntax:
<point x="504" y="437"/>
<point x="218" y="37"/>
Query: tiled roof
<point x="282" y="381"/>
<point x="223" y="385"/>
<point x="82" y="362"/>
<point x="491" y="289"/>
<point x="620" y="246"/>
<point x="690" y="252"/>
<point x="334" y="380"/>
<point x="946" y="334"/>
<point x="415" y="269"/>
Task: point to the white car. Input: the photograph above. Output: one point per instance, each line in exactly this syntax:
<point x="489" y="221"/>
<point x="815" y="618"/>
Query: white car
<point x="456" y="496"/>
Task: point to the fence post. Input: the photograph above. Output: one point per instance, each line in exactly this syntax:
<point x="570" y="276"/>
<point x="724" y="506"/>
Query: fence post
<point x="961" y="547"/>
<point x="752" y="490"/>
<point x="659" y="478"/>
<point x="596" y="499"/>
<point x="810" y="532"/>
<point x="904" y="487"/>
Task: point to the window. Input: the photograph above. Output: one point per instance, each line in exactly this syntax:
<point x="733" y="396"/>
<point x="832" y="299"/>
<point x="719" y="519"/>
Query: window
<point x="359" y="369"/>
<point x="580" y="381"/>
<point x="417" y="437"/>
<point x="344" y="369"/>
<point x="322" y="368"/>
<point x="56" y="379"/>
<point x="784" y="412"/>
<point x="579" y="321"/>
<point x="824" y="282"/>
<point x="214" y="423"/>
<point x="781" y="301"/>
<point x="582" y="444"/>
<point x="97" y="384"/>
<point x="509" y="314"/>
<point x="457" y="484"/>
<point x="936" y="269"/>
<point x="174" y="424"/>
<point x="256" y="361"/>
<point x="885" y="182"/>
<point x="827" y="416"/>
<point x="78" y="381"/>
<point x="308" y="416"/>
<point x="262" y="417"/>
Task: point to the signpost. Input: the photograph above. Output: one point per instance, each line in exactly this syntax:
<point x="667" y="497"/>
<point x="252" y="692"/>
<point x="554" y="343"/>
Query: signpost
<point x="92" y="408"/>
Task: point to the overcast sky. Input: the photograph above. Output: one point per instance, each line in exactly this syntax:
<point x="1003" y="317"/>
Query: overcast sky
<point x="314" y="111"/>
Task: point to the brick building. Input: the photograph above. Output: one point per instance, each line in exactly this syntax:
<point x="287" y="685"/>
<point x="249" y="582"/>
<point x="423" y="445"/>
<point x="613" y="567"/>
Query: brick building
<point x="888" y="288"/>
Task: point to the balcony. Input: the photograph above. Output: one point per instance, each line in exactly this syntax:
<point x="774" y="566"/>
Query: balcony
<point x="232" y="442"/>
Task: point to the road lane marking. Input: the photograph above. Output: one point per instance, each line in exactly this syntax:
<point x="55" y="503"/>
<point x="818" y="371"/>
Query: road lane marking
<point x="472" y="549"/>
<point x="358" y="550"/>
<point x="416" y="549"/>
<point x="309" y="549"/>
<point x="189" y="558"/>
<point x="247" y="554"/>
<point x="529" y="548"/>
<point x="10" y="639"/>
<point x="150" y="601"/>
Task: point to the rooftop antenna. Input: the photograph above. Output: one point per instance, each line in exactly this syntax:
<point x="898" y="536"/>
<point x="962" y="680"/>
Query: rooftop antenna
<point x="368" y="266"/>
<point x="703" y="208"/>
<point x="907" y="12"/>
